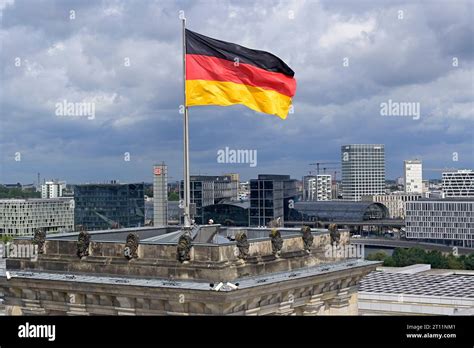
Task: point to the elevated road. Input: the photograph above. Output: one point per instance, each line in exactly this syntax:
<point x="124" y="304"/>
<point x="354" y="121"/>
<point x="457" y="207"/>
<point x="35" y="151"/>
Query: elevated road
<point x="395" y="243"/>
<point x="379" y="223"/>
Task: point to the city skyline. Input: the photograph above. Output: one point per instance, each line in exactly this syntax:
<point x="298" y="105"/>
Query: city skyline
<point x="349" y="81"/>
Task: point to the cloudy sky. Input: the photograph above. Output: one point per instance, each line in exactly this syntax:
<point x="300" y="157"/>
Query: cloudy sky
<point x="125" y="57"/>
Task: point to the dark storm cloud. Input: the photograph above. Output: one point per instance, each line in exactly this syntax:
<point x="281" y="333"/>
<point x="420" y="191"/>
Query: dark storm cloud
<point x="408" y="59"/>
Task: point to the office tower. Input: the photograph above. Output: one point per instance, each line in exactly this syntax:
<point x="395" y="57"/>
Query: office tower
<point x="106" y="206"/>
<point x="458" y="183"/>
<point x="413" y="176"/>
<point x="160" y="195"/>
<point x="309" y="188"/>
<point x="449" y="221"/>
<point x="207" y="190"/>
<point x="21" y="217"/>
<point x="363" y="170"/>
<point x="323" y="187"/>
<point x="270" y="196"/>
<point x="52" y="189"/>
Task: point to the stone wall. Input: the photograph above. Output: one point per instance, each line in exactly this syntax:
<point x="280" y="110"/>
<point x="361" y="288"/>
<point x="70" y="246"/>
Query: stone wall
<point x="210" y="262"/>
<point x="333" y="293"/>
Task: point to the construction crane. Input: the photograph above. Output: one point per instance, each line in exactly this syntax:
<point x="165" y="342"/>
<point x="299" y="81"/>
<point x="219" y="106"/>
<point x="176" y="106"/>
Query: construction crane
<point x="317" y="164"/>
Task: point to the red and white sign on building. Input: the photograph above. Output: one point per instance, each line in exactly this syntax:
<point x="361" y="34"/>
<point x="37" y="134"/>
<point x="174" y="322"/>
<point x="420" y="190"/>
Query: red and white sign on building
<point x="157" y="171"/>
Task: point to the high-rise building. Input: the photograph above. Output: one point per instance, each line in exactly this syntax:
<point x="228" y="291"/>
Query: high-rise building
<point x="458" y="184"/>
<point x="270" y="196"/>
<point x="449" y="221"/>
<point x="323" y="187"/>
<point x="413" y="176"/>
<point x="106" y="206"/>
<point x="160" y="195"/>
<point x="207" y="190"/>
<point x="363" y="170"/>
<point x="309" y="188"/>
<point x="52" y="189"/>
<point x="21" y="217"/>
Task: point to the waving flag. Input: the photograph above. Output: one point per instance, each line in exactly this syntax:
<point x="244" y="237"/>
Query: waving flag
<point x="223" y="73"/>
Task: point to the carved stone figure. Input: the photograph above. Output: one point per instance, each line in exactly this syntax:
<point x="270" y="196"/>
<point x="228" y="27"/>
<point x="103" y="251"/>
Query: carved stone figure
<point x="39" y="239"/>
<point x="83" y="242"/>
<point x="274" y="223"/>
<point x="277" y="241"/>
<point x="307" y="238"/>
<point x="334" y="233"/>
<point x="131" y="246"/>
<point x="242" y="244"/>
<point x="184" y="248"/>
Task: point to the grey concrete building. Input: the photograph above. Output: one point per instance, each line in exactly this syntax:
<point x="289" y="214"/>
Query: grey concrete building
<point x="166" y="271"/>
<point x="160" y="195"/>
<point x="395" y="202"/>
<point x="448" y="221"/>
<point x="21" y="217"/>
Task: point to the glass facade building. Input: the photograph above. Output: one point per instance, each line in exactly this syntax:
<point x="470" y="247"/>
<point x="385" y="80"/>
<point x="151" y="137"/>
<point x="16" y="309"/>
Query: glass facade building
<point x="105" y="206"/>
<point x="363" y="171"/>
<point x="228" y="213"/>
<point x="340" y="211"/>
<point x="207" y="190"/>
<point x="269" y="198"/>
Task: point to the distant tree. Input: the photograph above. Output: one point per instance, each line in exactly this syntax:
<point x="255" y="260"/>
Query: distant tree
<point x="453" y="262"/>
<point x="5" y="238"/>
<point x="388" y="262"/>
<point x="378" y="256"/>
<point x="173" y="196"/>
<point x="17" y="192"/>
<point x="469" y="262"/>
<point x="436" y="259"/>
<point x="406" y="257"/>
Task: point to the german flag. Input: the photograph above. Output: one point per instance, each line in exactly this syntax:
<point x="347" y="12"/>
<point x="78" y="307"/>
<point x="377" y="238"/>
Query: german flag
<point x="223" y="73"/>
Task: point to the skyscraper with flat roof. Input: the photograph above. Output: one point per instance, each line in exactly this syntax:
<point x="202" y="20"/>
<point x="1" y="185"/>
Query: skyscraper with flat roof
<point x="413" y="176"/>
<point x="160" y="195"/>
<point x="363" y="170"/>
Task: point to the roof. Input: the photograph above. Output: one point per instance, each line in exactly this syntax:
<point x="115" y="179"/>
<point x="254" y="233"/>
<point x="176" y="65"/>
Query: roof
<point x="419" y="284"/>
<point x="36" y="200"/>
<point x="447" y="199"/>
<point x="247" y="282"/>
<point x="272" y="177"/>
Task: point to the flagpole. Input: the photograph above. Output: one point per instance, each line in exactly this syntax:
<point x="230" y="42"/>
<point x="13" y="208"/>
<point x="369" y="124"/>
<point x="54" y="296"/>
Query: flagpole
<point x="187" y="217"/>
